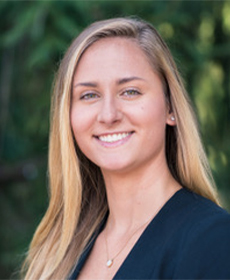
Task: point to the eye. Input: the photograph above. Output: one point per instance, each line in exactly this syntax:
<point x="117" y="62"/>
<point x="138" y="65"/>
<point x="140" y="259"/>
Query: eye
<point x="89" y="96"/>
<point x="131" y="93"/>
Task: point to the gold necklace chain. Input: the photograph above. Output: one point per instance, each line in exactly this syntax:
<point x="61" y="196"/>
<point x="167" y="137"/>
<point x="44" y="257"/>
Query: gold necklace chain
<point x="110" y="261"/>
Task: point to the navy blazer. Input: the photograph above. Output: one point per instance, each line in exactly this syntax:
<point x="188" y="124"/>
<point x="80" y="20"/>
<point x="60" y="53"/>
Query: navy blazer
<point x="188" y="239"/>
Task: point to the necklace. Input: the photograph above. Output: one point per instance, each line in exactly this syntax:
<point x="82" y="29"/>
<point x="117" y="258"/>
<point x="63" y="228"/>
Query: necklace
<point x="110" y="261"/>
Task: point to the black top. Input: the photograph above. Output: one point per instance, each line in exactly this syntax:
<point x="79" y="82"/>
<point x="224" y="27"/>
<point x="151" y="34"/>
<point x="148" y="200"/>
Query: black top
<point x="188" y="239"/>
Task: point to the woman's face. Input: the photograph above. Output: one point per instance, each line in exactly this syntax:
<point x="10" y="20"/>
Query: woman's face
<point x="119" y="112"/>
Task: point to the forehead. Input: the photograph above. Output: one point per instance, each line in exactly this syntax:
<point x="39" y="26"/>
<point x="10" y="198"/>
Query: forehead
<point x="116" y="54"/>
<point x="113" y="42"/>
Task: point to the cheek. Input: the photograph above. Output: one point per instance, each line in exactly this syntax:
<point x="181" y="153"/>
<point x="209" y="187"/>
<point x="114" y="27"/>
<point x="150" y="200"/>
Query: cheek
<point x="153" y="112"/>
<point x="152" y="118"/>
<point x="80" y="122"/>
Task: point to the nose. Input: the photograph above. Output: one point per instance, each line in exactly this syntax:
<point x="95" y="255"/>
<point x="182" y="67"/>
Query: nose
<point x="110" y="112"/>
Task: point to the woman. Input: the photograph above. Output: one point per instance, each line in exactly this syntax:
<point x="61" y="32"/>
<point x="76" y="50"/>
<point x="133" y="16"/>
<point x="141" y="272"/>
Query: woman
<point x="131" y="193"/>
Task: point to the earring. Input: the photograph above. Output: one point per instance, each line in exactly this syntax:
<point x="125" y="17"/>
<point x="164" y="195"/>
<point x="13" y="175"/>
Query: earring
<point x="172" y="118"/>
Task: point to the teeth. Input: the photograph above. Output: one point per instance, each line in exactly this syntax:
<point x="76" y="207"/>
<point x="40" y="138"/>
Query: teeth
<point x="113" y="137"/>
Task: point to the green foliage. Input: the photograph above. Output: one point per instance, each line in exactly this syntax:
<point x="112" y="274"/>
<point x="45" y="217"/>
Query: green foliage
<point x="33" y="38"/>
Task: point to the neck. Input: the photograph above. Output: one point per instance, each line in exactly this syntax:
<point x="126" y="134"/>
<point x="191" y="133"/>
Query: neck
<point x="136" y="197"/>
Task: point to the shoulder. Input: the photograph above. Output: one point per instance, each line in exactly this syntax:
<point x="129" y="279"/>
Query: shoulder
<point x="196" y="208"/>
<point x="190" y="213"/>
<point x="202" y="217"/>
<point x="205" y="239"/>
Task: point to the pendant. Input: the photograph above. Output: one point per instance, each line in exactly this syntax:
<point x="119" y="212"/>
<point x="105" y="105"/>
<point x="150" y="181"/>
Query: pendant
<point x="109" y="263"/>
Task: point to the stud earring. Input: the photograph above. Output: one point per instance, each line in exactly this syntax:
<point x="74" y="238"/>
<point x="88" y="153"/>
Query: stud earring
<point x="172" y="118"/>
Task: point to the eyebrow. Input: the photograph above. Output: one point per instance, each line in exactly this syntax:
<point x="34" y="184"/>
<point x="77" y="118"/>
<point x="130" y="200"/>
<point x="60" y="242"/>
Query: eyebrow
<point x="86" y="84"/>
<point x="129" y="79"/>
<point x="119" y="82"/>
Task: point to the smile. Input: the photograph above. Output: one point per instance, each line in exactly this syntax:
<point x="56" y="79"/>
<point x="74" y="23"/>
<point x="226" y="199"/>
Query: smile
<point x="111" y="138"/>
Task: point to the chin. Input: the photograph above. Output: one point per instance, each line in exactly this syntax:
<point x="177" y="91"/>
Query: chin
<point x="116" y="168"/>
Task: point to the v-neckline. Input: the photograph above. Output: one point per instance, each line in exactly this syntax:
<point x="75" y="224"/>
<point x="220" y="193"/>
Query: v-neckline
<point x="159" y="216"/>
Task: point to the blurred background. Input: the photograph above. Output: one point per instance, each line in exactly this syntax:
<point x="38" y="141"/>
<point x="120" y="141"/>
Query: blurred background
<point x="34" y="35"/>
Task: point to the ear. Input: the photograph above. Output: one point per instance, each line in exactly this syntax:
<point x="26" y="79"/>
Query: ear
<point x="171" y="120"/>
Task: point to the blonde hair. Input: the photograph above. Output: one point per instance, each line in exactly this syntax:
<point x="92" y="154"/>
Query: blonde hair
<point x="77" y="193"/>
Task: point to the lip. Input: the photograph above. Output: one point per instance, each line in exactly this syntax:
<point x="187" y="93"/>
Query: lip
<point x="114" y="139"/>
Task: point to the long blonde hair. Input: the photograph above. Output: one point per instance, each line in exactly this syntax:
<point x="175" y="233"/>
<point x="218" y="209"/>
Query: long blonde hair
<point x="78" y="201"/>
